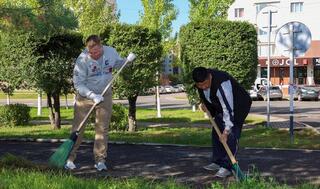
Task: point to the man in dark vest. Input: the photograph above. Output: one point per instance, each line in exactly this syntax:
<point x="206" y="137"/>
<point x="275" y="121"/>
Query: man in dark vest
<point x="229" y="103"/>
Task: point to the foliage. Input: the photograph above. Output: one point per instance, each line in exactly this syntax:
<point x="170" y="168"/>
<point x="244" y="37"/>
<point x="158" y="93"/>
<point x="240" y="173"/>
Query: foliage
<point x="44" y="18"/>
<point x="93" y="16"/>
<point x="119" y="118"/>
<point x="158" y="15"/>
<point x="206" y="10"/>
<point x="175" y="79"/>
<point x="53" y="72"/>
<point x="224" y="45"/>
<point x="145" y="43"/>
<point x="14" y="114"/>
<point x="17" y="52"/>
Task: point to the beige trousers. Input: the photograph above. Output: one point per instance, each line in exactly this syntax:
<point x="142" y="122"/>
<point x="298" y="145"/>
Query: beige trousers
<point x="103" y="116"/>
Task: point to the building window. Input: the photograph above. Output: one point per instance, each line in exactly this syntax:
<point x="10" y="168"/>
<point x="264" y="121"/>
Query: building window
<point x="239" y="12"/>
<point x="261" y="32"/>
<point x="296" y="7"/>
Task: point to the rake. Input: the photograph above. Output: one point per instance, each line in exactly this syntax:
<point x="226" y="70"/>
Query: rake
<point x="235" y="166"/>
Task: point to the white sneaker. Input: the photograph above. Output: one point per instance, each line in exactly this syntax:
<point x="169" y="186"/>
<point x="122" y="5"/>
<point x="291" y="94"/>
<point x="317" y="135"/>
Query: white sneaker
<point x="70" y="165"/>
<point x="212" y="167"/>
<point x="222" y="173"/>
<point x="100" y="166"/>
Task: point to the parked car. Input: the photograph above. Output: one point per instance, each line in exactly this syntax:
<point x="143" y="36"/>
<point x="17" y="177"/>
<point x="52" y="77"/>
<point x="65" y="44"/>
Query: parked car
<point x="253" y="93"/>
<point x="275" y="93"/>
<point x="169" y="89"/>
<point x="181" y="87"/>
<point x="176" y="89"/>
<point x="306" y="93"/>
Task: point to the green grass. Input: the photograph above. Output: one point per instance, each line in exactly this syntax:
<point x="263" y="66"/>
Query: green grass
<point x="25" y="94"/>
<point x="256" y="137"/>
<point x="182" y="130"/>
<point x="17" y="172"/>
<point x="50" y="180"/>
<point x="181" y="116"/>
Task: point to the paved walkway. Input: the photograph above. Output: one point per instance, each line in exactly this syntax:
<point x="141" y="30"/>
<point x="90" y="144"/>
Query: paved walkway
<point x="182" y="163"/>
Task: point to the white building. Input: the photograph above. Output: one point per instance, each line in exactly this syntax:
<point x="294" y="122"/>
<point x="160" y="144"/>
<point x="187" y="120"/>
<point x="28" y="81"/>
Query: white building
<point x="307" y="67"/>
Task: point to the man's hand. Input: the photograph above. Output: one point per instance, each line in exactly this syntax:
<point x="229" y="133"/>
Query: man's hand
<point x="203" y="107"/>
<point x="131" y="57"/>
<point x="224" y="136"/>
<point x="97" y="98"/>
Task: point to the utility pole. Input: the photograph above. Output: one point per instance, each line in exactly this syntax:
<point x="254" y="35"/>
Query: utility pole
<point x="269" y="27"/>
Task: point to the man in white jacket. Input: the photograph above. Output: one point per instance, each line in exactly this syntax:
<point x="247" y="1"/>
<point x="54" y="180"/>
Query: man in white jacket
<point x="92" y="73"/>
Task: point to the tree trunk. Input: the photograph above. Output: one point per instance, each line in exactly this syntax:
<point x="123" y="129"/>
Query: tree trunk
<point x="132" y="113"/>
<point x="54" y="113"/>
<point x="50" y="106"/>
<point x="57" y="120"/>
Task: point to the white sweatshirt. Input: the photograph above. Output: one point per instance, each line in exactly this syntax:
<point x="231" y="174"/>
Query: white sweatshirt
<point x="92" y="76"/>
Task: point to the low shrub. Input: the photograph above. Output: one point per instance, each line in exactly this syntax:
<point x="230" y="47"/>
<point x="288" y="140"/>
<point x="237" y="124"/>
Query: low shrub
<point x="14" y="114"/>
<point x="119" y="118"/>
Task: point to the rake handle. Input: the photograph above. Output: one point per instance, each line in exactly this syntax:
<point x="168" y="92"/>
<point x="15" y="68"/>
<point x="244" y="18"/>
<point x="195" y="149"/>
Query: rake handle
<point x="102" y="94"/>
<point x="225" y="145"/>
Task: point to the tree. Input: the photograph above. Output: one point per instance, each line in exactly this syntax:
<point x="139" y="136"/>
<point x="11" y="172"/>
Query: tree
<point x="206" y="10"/>
<point x="225" y="45"/>
<point x="93" y="15"/>
<point x="49" y="22"/>
<point x="138" y="76"/>
<point x="158" y="15"/>
<point x="53" y="72"/>
<point x="17" y="51"/>
<point x="43" y="18"/>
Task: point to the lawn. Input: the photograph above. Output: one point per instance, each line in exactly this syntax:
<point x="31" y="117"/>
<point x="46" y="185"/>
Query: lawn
<point x="28" y="94"/>
<point x="253" y="137"/>
<point x="183" y="129"/>
<point x="17" y="172"/>
<point x="179" y="116"/>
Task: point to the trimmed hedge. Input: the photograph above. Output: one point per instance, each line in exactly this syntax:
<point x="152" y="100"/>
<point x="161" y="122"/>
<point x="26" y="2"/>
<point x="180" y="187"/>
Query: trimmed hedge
<point x="226" y="45"/>
<point x="14" y="114"/>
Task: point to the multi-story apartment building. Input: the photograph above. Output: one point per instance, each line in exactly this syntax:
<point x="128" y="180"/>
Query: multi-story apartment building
<point x="307" y="67"/>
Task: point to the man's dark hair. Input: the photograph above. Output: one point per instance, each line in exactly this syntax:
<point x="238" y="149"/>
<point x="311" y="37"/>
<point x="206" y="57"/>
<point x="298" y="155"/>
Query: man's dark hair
<point x="199" y="74"/>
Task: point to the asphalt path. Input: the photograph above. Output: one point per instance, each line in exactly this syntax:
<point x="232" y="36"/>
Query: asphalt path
<point x="182" y="163"/>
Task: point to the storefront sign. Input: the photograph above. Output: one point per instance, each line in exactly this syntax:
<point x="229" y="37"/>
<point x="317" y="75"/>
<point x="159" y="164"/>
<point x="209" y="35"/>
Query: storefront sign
<point x="281" y="62"/>
<point x="316" y="61"/>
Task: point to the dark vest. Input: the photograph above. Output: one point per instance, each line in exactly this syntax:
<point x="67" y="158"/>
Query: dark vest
<point x="241" y="99"/>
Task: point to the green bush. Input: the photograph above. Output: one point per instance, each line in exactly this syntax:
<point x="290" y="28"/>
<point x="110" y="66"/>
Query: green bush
<point x="14" y="114"/>
<point x="119" y="118"/>
<point x="225" y="45"/>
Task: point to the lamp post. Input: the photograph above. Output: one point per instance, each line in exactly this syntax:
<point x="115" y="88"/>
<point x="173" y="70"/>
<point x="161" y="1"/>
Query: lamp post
<point x="262" y="19"/>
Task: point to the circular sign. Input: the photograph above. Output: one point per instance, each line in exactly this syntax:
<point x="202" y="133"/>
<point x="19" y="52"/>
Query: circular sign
<point x="263" y="18"/>
<point x="301" y="40"/>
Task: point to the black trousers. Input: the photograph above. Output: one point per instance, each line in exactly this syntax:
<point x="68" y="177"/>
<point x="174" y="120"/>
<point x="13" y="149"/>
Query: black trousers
<point x="219" y="154"/>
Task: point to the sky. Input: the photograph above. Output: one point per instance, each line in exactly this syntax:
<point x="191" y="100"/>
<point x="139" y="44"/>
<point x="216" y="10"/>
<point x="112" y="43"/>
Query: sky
<point x="129" y="12"/>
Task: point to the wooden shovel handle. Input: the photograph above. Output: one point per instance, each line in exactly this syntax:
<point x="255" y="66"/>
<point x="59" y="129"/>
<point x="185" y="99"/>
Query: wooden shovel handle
<point x="225" y="145"/>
